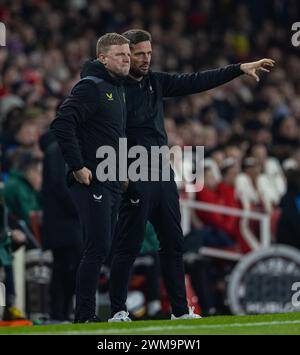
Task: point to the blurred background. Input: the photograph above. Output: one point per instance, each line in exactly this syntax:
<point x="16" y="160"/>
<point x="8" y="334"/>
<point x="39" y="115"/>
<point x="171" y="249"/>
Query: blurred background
<point x="250" y="202"/>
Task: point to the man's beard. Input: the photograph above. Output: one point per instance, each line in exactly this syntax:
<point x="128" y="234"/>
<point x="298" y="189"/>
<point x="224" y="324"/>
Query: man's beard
<point x="137" y="73"/>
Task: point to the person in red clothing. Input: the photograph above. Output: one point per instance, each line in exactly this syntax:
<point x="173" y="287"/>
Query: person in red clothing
<point x="209" y="194"/>
<point x="227" y="194"/>
<point x="215" y="232"/>
<point x="224" y="228"/>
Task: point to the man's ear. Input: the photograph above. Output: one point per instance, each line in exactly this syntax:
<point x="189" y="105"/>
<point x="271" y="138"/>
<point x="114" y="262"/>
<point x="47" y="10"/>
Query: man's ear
<point x="103" y="59"/>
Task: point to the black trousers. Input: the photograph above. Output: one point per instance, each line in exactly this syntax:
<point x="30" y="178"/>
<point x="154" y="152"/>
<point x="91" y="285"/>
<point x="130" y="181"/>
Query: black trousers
<point x="62" y="287"/>
<point x="97" y="207"/>
<point x="157" y="202"/>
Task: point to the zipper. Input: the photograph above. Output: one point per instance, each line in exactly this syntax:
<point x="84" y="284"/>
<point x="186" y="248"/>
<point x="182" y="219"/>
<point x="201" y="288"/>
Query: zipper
<point x="122" y="109"/>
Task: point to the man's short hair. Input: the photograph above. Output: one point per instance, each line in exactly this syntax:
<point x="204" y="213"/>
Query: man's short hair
<point x="137" y="36"/>
<point x="109" y="39"/>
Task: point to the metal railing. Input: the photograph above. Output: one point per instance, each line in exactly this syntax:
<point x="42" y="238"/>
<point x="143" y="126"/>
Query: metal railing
<point x="187" y="205"/>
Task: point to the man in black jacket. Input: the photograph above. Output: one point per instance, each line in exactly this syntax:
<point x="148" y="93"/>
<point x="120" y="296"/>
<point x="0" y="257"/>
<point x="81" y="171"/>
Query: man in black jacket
<point x="93" y="116"/>
<point x="157" y="201"/>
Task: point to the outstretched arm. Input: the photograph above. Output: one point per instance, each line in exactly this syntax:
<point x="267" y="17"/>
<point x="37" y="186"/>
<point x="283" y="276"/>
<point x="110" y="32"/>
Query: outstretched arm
<point x="187" y="84"/>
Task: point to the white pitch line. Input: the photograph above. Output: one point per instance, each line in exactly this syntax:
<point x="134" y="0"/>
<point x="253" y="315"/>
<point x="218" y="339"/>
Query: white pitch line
<point x="175" y="327"/>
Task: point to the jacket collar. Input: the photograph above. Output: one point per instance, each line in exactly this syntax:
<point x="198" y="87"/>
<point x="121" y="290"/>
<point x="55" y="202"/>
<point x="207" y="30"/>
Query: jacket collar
<point x="142" y="83"/>
<point x="96" y="68"/>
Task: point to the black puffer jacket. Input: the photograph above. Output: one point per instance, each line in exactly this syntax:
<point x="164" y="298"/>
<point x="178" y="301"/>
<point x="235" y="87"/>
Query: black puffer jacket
<point x="93" y="115"/>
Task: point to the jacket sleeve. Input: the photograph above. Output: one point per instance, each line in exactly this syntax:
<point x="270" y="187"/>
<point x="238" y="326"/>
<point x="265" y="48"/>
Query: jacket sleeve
<point x="76" y="109"/>
<point x="187" y="84"/>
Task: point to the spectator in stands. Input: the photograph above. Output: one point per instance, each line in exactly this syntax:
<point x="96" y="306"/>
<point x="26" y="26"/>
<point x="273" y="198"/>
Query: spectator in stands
<point x="288" y="231"/>
<point x="258" y="132"/>
<point x="210" y="137"/>
<point x="232" y="150"/>
<point x="21" y="133"/>
<point x="255" y="194"/>
<point x="293" y="161"/>
<point x="22" y="189"/>
<point x="218" y="155"/>
<point x="10" y="239"/>
<point x="252" y="187"/>
<point x="215" y="233"/>
<point x="227" y="194"/>
<point x="214" y="159"/>
<point x="286" y="136"/>
<point x="272" y="171"/>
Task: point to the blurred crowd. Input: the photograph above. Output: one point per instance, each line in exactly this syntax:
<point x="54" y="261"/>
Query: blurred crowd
<point x="250" y="130"/>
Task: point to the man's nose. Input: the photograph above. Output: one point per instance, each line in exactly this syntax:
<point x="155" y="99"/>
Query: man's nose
<point x="146" y="59"/>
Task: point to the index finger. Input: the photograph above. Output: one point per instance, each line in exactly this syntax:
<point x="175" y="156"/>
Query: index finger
<point x="268" y="61"/>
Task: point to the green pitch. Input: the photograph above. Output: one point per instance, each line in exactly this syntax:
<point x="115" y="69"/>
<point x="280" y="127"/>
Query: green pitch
<point x="288" y="323"/>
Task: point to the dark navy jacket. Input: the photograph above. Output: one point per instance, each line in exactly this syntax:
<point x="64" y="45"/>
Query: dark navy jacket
<point x="93" y="115"/>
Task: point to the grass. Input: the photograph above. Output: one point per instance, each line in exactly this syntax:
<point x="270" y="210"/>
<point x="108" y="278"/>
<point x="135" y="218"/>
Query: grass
<point x="267" y="324"/>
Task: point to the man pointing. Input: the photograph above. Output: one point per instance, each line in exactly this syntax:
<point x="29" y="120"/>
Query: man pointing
<point x="158" y="201"/>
